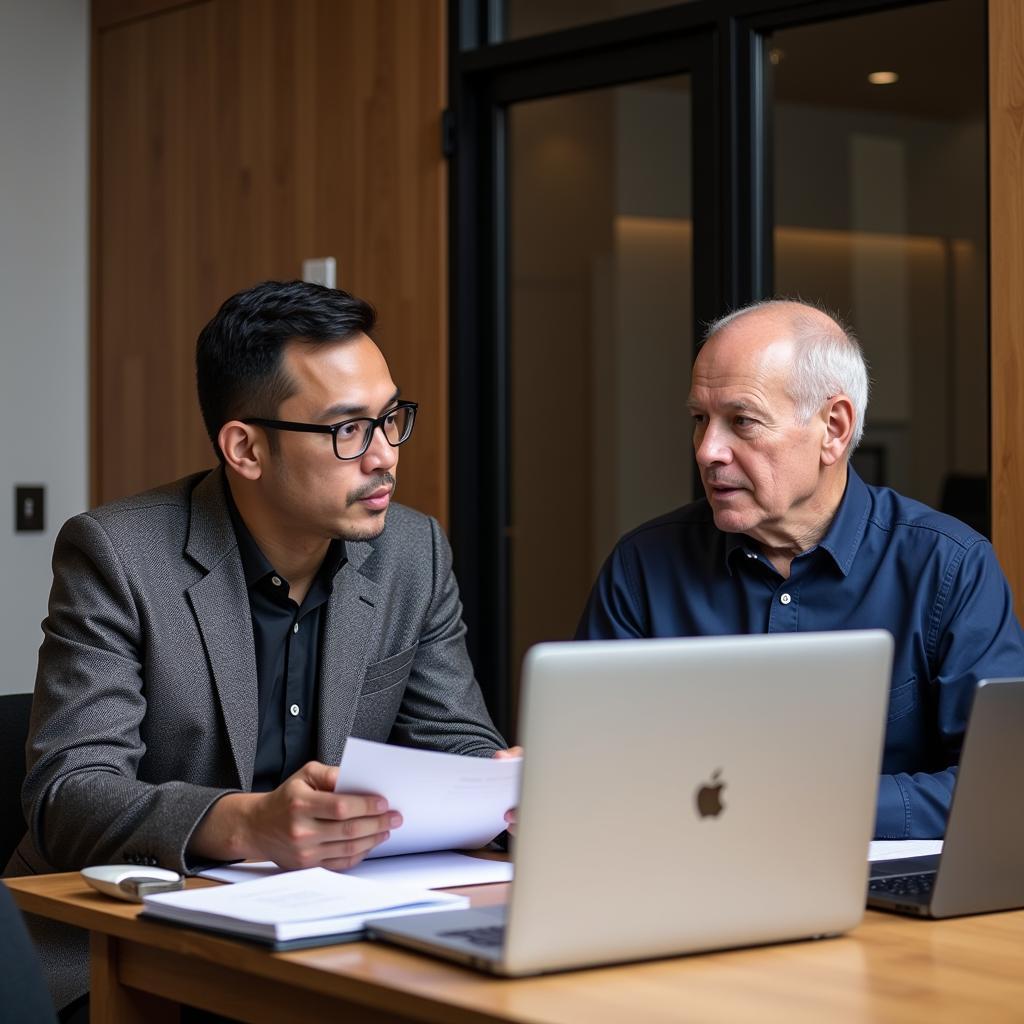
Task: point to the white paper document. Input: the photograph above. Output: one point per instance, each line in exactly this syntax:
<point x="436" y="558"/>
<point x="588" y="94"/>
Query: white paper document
<point x="295" y="906"/>
<point x="434" y="870"/>
<point x="891" y="849"/>
<point x="421" y="870"/>
<point x="447" y="801"/>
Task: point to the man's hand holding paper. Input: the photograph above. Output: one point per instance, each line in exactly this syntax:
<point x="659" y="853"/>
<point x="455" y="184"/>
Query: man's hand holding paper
<point x="302" y="823"/>
<point x="510" y="814"/>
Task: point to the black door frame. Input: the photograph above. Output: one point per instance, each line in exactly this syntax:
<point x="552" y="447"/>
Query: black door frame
<point x="717" y="42"/>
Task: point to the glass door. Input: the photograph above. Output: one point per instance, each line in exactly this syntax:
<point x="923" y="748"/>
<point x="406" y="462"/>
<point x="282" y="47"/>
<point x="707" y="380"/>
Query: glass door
<point x="600" y="337"/>
<point x="879" y="166"/>
<point x="619" y="184"/>
<point x="585" y="258"/>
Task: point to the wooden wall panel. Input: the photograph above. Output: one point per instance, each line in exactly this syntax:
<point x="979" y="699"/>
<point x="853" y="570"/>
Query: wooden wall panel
<point x="1006" y="161"/>
<point x="234" y="139"/>
<point x="107" y="13"/>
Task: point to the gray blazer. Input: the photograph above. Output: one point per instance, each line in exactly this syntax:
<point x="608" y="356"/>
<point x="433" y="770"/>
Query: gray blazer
<point x="145" y="708"/>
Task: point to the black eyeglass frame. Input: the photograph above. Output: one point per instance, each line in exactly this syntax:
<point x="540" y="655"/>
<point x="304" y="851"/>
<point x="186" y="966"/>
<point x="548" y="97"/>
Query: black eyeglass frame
<point x="333" y="428"/>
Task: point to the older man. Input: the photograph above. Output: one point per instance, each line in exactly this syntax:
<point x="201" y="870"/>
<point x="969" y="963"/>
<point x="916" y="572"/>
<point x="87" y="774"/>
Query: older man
<point x="790" y="539"/>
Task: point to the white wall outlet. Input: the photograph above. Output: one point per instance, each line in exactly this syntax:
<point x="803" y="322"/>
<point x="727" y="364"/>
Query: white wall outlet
<point x="321" y="270"/>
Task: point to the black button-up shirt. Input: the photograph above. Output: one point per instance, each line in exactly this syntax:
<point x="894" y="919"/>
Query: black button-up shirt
<point x="287" y="638"/>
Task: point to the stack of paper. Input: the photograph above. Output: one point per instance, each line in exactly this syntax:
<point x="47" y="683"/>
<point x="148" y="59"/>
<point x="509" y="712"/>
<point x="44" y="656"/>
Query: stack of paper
<point x="417" y="870"/>
<point x="894" y="849"/>
<point x="297" y="908"/>
<point x="447" y="801"/>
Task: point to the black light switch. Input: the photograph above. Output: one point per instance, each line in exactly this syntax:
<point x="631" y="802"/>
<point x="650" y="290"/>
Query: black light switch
<point x="28" y="508"/>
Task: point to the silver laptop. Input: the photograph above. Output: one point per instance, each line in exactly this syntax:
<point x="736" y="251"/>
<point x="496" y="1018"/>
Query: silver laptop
<point x="680" y="796"/>
<point x="981" y="867"/>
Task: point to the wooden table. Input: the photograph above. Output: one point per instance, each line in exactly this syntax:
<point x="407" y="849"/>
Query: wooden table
<point x="888" y="969"/>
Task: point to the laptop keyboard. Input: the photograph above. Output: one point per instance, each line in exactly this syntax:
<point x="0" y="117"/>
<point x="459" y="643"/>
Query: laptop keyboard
<point x="489" y="936"/>
<point x="904" y="885"/>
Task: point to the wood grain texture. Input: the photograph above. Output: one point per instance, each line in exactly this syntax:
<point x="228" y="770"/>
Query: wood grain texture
<point x="108" y="13"/>
<point x="235" y="139"/>
<point x="111" y="1001"/>
<point x="243" y="995"/>
<point x="1006" y="169"/>
<point x="889" y="970"/>
<point x="94" y="363"/>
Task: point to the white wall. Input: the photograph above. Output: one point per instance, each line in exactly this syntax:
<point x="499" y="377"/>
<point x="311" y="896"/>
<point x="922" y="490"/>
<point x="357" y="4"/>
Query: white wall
<point x="44" y="119"/>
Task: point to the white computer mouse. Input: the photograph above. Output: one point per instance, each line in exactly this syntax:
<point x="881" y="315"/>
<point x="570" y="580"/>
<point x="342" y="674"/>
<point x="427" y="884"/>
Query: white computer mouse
<point x="130" y="881"/>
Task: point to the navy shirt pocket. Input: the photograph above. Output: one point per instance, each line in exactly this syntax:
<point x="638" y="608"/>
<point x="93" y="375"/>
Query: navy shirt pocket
<point x="902" y="699"/>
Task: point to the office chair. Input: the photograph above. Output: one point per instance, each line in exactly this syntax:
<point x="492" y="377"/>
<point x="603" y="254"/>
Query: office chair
<point x="15" y="709"/>
<point x="965" y="496"/>
<point x="23" y="994"/>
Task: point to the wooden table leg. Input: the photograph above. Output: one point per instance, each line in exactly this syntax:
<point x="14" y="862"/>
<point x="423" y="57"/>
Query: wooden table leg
<point x="111" y="1002"/>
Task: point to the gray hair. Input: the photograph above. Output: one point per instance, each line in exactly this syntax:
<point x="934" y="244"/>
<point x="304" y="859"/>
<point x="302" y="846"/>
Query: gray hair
<point x="829" y="359"/>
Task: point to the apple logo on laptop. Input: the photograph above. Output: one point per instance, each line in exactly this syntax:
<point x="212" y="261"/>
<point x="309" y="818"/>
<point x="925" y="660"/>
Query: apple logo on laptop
<point x="709" y="796"/>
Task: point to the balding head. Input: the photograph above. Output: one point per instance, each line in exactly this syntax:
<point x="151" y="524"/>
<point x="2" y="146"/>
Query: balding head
<point x="774" y="397"/>
<point x="826" y="358"/>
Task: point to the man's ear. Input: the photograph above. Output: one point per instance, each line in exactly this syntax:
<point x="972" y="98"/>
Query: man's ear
<point x="243" y="447"/>
<point x="840" y="421"/>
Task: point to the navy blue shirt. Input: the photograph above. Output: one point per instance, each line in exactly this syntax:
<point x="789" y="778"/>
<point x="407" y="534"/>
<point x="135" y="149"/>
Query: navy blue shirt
<point x="886" y="562"/>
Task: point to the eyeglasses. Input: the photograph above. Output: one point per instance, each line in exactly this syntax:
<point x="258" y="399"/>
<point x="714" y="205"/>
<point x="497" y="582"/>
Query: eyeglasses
<point x="352" y="437"/>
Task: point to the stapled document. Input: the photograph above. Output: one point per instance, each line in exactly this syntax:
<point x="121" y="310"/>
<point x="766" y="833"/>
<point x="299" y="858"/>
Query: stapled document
<point x="295" y="908"/>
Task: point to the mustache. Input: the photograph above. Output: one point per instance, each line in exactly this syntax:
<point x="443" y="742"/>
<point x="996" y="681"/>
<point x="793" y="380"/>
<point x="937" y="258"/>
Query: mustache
<point x="379" y="481"/>
<point x="716" y="479"/>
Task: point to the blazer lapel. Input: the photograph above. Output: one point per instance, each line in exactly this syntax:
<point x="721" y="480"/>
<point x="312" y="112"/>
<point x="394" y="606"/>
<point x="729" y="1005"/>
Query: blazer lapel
<point x="349" y="629"/>
<point x="220" y="601"/>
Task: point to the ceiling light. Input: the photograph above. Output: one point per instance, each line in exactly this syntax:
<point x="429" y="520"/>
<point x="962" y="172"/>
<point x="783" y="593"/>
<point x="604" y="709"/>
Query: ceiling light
<point x="883" y="77"/>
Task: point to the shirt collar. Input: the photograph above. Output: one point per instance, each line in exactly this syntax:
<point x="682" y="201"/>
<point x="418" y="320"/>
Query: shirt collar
<point x="841" y="540"/>
<point x="255" y="565"/>
<point x="735" y="545"/>
<point x="843" y="537"/>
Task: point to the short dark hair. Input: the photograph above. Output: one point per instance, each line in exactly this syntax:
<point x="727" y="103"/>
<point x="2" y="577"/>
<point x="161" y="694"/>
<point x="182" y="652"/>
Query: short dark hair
<point x="238" y="353"/>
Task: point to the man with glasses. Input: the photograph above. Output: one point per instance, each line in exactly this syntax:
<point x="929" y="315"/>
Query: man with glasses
<point x="790" y="539"/>
<point x="210" y="645"/>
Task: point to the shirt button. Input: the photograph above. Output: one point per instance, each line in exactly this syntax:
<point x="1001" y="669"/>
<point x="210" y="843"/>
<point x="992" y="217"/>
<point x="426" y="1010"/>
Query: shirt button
<point x="295" y="628"/>
<point x="294" y="711"/>
<point x="276" y="580"/>
<point x="785" y="598"/>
